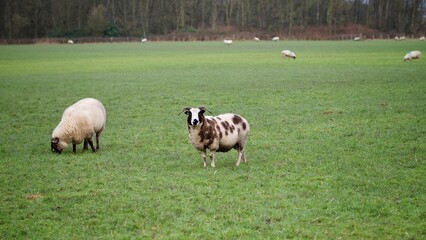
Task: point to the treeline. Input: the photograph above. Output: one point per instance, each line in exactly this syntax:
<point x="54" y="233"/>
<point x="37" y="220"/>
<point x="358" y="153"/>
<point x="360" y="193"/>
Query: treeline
<point x="144" y="18"/>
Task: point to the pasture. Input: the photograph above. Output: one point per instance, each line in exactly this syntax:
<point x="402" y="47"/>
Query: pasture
<point x="336" y="151"/>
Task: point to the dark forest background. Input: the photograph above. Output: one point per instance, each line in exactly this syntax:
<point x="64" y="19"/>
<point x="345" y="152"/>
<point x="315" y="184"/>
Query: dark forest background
<point x="32" y="19"/>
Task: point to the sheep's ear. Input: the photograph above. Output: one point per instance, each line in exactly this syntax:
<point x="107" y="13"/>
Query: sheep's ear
<point x="186" y="110"/>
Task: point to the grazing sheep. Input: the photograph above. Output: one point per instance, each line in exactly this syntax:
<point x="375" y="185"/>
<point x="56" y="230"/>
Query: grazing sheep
<point x="412" y="55"/>
<point x="219" y="133"/>
<point x="422" y="38"/>
<point x="79" y="123"/>
<point x="144" y="40"/>
<point x="357" y="39"/>
<point x="288" y="53"/>
<point x="256" y="39"/>
<point x="227" y="42"/>
<point x="275" y="39"/>
<point x="396" y="38"/>
<point x="70" y="41"/>
<point x="402" y="38"/>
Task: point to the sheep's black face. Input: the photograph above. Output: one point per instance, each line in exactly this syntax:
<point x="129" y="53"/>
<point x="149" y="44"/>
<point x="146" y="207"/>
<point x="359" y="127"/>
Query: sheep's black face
<point x="195" y="115"/>
<point x="54" y="145"/>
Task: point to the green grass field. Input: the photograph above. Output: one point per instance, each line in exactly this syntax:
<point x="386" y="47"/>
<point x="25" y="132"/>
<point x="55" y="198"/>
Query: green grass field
<point x="337" y="148"/>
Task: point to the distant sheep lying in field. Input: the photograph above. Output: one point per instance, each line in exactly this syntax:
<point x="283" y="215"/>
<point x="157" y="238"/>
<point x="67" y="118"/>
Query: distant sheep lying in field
<point x="288" y="54"/>
<point x="412" y="55"/>
<point x="79" y="123"/>
<point x="275" y="39"/>
<point x="144" y="40"/>
<point x="422" y="38"/>
<point x="219" y="134"/>
<point x="227" y="42"/>
<point x="70" y="42"/>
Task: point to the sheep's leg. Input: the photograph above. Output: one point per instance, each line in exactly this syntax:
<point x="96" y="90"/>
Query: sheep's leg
<point x="97" y="138"/>
<point x="239" y="157"/>
<point x="212" y="158"/>
<point x="91" y="144"/>
<point x="203" y="155"/>
<point x="74" y="146"/>
<point x="85" y="145"/>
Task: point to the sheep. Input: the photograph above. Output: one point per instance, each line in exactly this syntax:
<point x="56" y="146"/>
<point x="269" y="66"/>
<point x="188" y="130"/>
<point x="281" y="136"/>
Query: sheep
<point x="144" y="40"/>
<point x="227" y="42"/>
<point x="70" y="41"/>
<point x="357" y="39"/>
<point x="218" y="133"/>
<point x="402" y="38"/>
<point x="275" y="39"/>
<point x="396" y="38"/>
<point x="412" y="55"/>
<point x="79" y="122"/>
<point x="288" y="53"/>
<point x="256" y="39"/>
<point x="422" y="38"/>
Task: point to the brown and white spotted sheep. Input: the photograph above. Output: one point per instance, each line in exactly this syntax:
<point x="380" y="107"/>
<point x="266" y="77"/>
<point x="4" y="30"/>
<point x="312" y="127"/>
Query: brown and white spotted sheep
<point x="217" y="133"/>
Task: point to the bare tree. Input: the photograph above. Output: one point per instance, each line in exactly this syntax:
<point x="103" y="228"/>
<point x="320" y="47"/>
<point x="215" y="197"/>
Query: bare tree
<point x="40" y="18"/>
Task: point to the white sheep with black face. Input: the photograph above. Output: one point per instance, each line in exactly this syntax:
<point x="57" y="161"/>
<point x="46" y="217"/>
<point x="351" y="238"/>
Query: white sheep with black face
<point x="79" y="123"/>
<point x="218" y="133"/>
<point x="288" y="54"/>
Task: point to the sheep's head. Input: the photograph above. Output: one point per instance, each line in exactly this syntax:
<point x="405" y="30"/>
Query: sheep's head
<point x="195" y="115"/>
<point x="57" y="145"/>
<point x="407" y="58"/>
